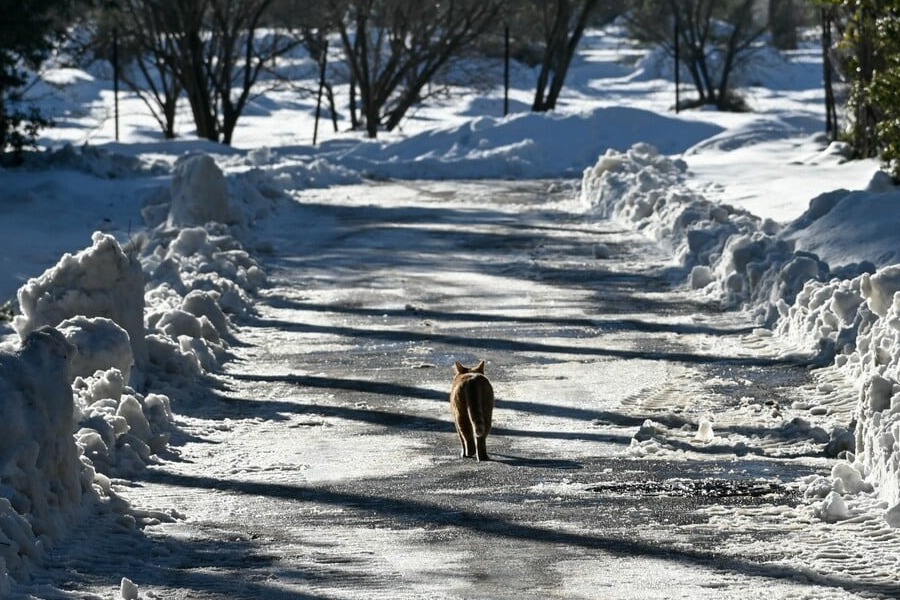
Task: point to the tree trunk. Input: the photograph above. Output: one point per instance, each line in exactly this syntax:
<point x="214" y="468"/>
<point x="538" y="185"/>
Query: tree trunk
<point x="354" y="117"/>
<point x="709" y="88"/>
<point x="371" y="112"/>
<point x="865" y="118"/>
<point x="543" y="76"/>
<point x="230" y="116"/>
<point x="202" y="106"/>
<point x="783" y="24"/>
<point x="332" y="107"/>
<point x="568" y="51"/>
<point x="722" y="100"/>
<point x="554" y="48"/>
<point x="169" y="112"/>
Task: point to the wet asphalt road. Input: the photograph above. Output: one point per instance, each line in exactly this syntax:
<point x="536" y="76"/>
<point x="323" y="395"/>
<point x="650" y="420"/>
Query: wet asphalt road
<point x="327" y="465"/>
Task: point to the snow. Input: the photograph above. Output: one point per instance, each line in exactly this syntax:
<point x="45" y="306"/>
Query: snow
<point x="100" y="281"/>
<point x="849" y="316"/>
<point x="759" y="209"/>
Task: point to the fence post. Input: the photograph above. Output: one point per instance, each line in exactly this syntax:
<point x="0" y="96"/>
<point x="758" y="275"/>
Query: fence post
<point x="506" y="71"/>
<point x="677" y="66"/>
<point x="115" y="62"/>
<point x="831" y="124"/>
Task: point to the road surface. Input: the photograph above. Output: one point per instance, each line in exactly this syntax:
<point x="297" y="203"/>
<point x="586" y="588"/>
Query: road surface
<point x="645" y="445"/>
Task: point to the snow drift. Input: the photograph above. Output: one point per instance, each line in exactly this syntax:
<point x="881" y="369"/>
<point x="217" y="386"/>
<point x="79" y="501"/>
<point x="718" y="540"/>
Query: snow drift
<point x="111" y="337"/>
<point x="731" y="254"/>
<point x="42" y="480"/>
<point x="527" y="145"/>
<point x="849" y="316"/>
<point x="101" y="281"/>
<point x="858" y="321"/>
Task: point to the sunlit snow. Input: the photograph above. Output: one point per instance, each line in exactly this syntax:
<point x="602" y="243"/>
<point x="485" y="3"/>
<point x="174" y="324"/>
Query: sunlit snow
<point x="130" y="260"/>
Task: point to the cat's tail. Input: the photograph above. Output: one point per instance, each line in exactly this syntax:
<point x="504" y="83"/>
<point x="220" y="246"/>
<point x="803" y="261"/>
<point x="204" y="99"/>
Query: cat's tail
<point x="480" y="405"/>
<point x="476" y="415"/>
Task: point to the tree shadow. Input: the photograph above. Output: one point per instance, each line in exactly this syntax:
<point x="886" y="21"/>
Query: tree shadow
<point x="408" y="421"/>
<point x="601" y="322"/>
<point x="506" y="245"/>
<point x="366" y="386"/>
<point x="417" y="513"/>
<point x="275" y="410"/>
<point x="520" y="346"/>
<point x="555" y="464"/>
<point x="280" y="410"/>
<point x="399" y="390"/>
<point x="211" y="563"/>
<point x="582" y="436"/>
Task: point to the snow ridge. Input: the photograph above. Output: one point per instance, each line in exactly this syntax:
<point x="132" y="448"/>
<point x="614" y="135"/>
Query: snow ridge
<point x="846" y="318"/>
<point x="111" y="338"/>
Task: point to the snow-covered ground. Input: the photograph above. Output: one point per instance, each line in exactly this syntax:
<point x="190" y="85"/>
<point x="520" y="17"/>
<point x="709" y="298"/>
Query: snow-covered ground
<point x="765" y="214"/>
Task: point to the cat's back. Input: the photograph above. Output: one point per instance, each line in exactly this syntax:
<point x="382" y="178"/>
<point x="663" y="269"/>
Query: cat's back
<point x="472" y="386"/>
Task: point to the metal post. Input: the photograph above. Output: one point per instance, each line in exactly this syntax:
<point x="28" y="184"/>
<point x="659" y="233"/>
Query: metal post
<point x="677" y="66"/>
<point x="115" y="62"/>
<point x="323" y="61"/>
<point x="831" y="125"/>
<point x="506" y="71"/>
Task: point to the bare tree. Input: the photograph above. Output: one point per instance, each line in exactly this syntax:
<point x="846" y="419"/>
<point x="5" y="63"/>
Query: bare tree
<point x="783" y="23"/>
<point x="315" y="40"/>
<point x="562" y="26"/>
<point x="395" y="48"/>
<point x="143" y="52"/>
<point x="213" y="50"/>
<point x="715" y="36"/>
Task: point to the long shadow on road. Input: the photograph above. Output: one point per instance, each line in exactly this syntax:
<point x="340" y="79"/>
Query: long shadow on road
<point x="403" y="421"/>
<point x="399" y="421"/>
<point x="419" y="513"/>
<point x="509" y="345"/>
<point x="600" y="322"/>
<point x="374" y="240"/>
<point x="400" y="390"/>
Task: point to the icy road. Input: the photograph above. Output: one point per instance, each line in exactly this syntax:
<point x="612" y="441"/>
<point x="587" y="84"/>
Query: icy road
<point x="645" y="445"/>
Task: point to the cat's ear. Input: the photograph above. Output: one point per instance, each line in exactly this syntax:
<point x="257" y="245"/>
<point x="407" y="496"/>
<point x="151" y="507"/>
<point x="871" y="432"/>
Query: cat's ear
<point x="479" y="368"/>
<point x="460" y="369"/>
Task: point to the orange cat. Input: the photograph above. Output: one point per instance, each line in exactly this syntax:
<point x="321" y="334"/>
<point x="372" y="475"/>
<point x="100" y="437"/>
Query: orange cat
<point x="472" y="403"/>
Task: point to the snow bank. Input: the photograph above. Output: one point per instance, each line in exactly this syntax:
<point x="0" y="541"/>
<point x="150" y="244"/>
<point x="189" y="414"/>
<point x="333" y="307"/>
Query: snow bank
<point x="530" y="145"/>
<point x="199" y="193"/>
<point x="858" y="321"/>
<point x="100" y="344"/>
<point x="854" y="319"/>
<point x="849" y="316"/>
<point x="109" y="337"/>
<point x="286" y="170"/>
<point x="821" y="229"/>
<point x="42" y="482"/>
<point x="731" y="255"/>
<point x="119" y="430"/>
<point x="199" y="275"/>
<point x="100" y="281"/>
